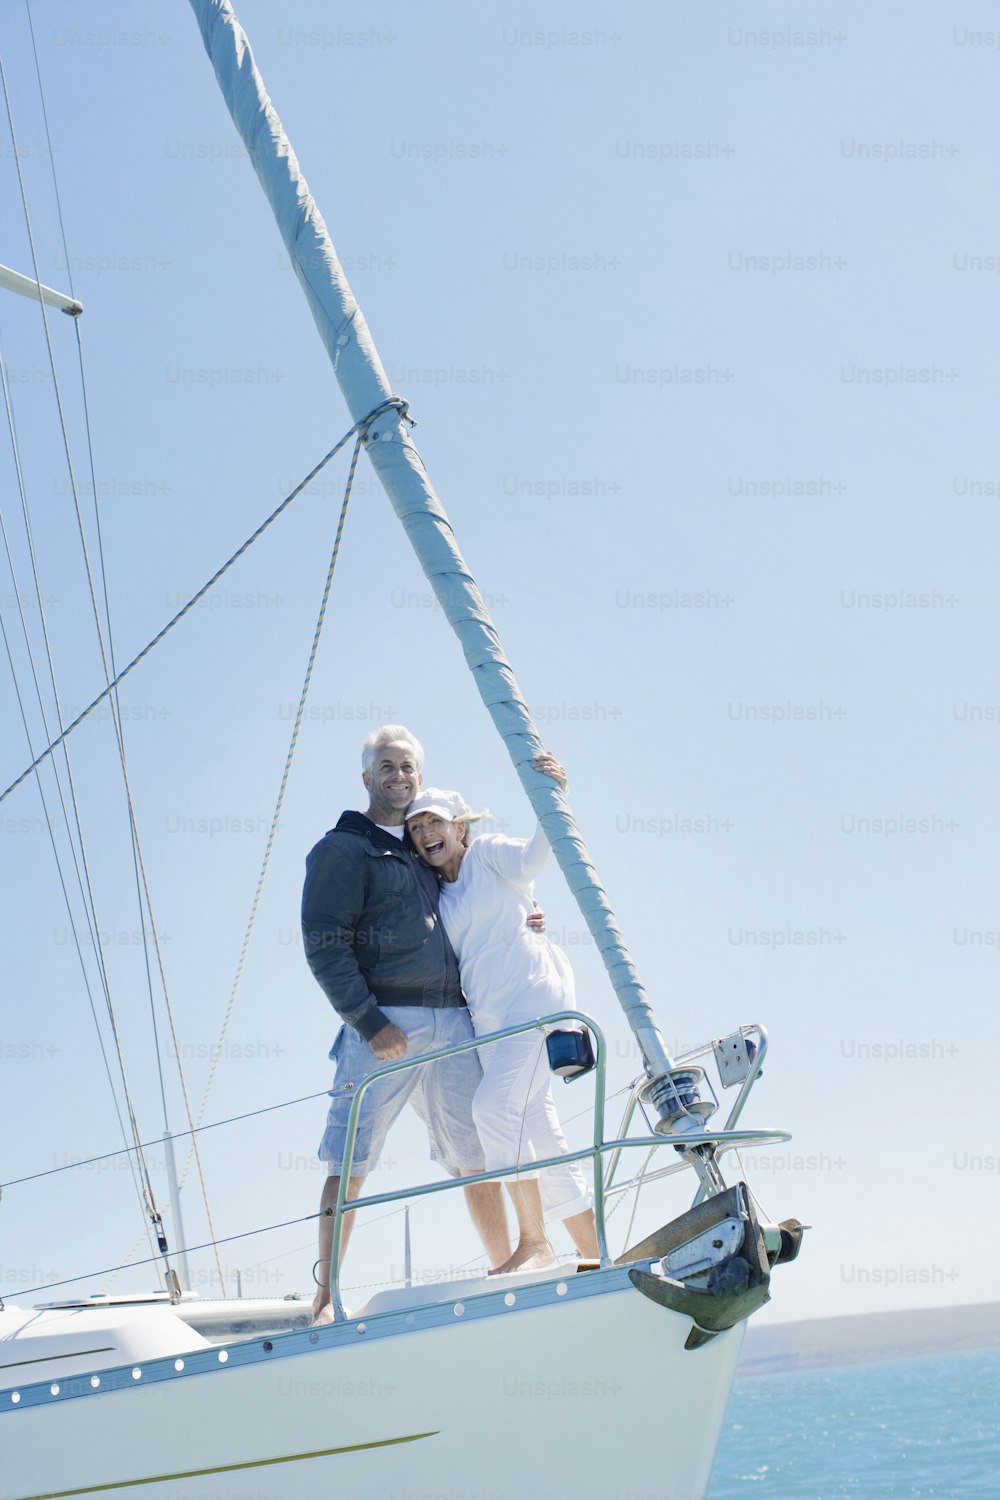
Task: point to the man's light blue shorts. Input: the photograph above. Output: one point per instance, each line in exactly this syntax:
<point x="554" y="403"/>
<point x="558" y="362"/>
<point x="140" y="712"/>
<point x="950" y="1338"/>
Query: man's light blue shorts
<point x="440" y="1092"/>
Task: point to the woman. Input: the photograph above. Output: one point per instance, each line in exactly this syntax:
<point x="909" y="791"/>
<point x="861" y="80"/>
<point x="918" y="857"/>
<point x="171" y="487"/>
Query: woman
<point x="509" y="975"/>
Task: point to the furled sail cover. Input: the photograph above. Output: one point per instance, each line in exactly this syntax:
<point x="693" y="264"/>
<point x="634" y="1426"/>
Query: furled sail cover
<point x="400" y="468"/>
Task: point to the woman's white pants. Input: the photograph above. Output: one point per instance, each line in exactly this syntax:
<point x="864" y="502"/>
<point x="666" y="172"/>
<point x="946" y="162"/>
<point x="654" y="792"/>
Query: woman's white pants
<point x="517" y="1122"/>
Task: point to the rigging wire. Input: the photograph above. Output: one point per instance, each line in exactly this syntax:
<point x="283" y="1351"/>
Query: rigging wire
<point x="360" y="428"/>
<point x="90" y="917"/>
<point x="140" y="1164"/>
<point x="52" y="159"/>
<point x="393" y="401"/>
<point x="136" y="849"/>
<point x="247" y="1234"/>
<point x="143" y="893"/>
<point x="69" y="910"/>
<point x="89" y="1161"/>
<point x="320" y="619"/>
<point x="18" y="598"/>
<point x="113" y="678"/>
<point x="116" y="707"/>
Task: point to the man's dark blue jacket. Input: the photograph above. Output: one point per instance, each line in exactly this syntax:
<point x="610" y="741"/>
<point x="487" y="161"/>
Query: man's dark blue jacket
<point x="370" y="926"/>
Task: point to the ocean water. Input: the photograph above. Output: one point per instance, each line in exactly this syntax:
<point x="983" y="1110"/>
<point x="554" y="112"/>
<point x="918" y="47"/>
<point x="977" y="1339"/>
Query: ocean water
<point x="915" y="1429"/>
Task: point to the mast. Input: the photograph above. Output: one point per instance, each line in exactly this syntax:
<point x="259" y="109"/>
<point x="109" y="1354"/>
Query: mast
<point x="365" y="387"/>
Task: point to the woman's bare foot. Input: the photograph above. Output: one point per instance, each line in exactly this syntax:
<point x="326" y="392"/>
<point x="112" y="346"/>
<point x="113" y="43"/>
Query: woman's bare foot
<point x="532" y="1255"/>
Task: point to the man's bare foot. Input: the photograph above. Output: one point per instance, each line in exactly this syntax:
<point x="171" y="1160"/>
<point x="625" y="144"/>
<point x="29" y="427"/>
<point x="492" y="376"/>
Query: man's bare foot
<point x="532" y="1256"/>
<point x="321" y="1314"/>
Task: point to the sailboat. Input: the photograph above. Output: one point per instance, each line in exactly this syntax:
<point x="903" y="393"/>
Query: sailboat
<point x="627" y="1364"/>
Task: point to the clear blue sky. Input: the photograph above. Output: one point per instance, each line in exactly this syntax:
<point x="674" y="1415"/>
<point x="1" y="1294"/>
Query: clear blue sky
<point x="696" y="309"/>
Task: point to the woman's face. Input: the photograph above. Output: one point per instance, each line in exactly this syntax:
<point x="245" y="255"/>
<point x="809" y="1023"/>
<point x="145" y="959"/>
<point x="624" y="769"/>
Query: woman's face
<point x="439" y="842"/>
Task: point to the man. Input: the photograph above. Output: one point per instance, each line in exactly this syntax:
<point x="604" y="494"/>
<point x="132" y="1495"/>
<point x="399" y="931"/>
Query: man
<point x="374" y="942"/>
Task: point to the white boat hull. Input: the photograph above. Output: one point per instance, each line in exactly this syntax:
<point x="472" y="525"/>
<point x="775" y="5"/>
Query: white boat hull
<point x="567" y="1394"/>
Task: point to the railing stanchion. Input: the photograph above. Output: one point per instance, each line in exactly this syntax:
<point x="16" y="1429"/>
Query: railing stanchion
<point x="598" y="1158"/>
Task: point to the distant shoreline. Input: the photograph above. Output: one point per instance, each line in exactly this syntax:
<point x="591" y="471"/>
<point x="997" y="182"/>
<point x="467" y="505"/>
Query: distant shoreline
<point x="867" y="1338"/>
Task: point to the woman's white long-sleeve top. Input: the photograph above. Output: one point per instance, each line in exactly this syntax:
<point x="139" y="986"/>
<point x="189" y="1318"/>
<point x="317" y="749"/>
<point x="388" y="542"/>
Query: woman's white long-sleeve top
<point x="509" y="973"/>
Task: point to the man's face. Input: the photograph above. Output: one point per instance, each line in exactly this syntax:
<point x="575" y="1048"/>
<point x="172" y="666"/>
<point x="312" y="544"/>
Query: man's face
<point x="393" y="783"/>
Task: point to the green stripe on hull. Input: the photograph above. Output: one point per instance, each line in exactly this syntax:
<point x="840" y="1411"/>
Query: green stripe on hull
<point x="256" y="1463"/>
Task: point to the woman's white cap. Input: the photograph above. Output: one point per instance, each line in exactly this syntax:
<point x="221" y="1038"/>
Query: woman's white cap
<point x="451" y="806"/>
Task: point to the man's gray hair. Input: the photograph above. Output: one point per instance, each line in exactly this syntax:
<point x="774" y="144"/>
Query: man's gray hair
<point x="385" y="735"/>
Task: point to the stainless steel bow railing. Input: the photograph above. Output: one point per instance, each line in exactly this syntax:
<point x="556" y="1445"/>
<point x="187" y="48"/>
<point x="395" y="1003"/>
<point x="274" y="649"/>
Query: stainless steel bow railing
<point x="724" y="1139"/>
